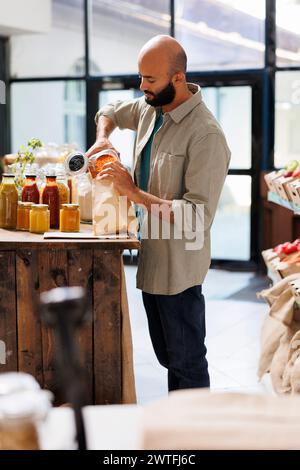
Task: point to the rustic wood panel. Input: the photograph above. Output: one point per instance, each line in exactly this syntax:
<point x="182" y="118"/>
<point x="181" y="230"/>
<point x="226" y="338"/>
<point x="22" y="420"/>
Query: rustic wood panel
<point x="107" y="327"/>
<point x="29" y="325"/>
<point x="8" y="313"/>
<point x="80" y="268"/>
<point x="53" y="272"/>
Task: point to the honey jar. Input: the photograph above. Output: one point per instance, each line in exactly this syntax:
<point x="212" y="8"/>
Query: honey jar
<point x="69" y="218"/>
<point x="39" y="220"/>
<point x="23" y="215"/>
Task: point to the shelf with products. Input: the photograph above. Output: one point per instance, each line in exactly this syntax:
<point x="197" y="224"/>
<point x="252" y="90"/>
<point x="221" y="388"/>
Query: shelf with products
<point x="276" y="199"/>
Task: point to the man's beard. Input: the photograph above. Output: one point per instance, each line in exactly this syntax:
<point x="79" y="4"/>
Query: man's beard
<point x="165" y="96"/>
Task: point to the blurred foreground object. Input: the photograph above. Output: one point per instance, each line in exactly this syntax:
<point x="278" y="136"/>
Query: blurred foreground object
<point x="65" y="309"/>
<point x="22" y="405"/>
<point x="200" y="419"/>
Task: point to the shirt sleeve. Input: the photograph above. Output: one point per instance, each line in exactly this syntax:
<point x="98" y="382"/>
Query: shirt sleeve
<point x="124" y="114"/>
<point x="206" y="170"/>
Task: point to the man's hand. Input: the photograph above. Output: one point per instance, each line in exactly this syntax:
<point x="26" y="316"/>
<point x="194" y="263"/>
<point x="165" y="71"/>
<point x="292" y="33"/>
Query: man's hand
<point x="118" y="173"/>
<point x="100" y="144"/>
<point x="120" y="176"/>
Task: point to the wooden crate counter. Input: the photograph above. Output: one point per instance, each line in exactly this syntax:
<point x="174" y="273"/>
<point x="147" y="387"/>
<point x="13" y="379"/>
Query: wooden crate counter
<point x="30" y="265"/>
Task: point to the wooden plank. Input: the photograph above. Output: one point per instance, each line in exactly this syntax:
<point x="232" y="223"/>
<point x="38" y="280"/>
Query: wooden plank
<point x="29" y="325"/>
<point x="53" y="273"/>
<point x="11" y="240"/>
<point x="107" y="327"/>
<point x="80" y="273"/>
<point x="8" y="313"/>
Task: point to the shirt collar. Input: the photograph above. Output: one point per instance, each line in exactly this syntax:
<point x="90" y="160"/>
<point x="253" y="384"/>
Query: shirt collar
<point x="185" y="108"/>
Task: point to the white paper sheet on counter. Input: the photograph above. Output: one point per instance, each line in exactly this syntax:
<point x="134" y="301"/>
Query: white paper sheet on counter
<point x="84" y="235"/>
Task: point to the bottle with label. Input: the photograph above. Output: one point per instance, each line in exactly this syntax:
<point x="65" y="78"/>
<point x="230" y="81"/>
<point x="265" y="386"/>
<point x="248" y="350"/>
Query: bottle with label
<point x="8" y="202"/>
<point x="30" y="192"/>
<point x="51" y="198"/>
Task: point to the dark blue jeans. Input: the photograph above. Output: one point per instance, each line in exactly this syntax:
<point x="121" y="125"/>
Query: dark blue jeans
<point x="177" y="331"/>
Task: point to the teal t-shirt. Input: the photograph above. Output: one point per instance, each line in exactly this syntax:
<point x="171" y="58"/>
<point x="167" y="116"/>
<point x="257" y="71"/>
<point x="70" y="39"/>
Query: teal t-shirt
<point x="146" y="155"/>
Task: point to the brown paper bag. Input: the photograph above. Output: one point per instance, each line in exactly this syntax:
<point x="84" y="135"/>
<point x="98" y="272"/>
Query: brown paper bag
<point x="271" y="332"/>
<point x="112" y="213"/>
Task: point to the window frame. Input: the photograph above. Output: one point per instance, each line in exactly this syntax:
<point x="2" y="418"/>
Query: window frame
<point x="261" y="80"/>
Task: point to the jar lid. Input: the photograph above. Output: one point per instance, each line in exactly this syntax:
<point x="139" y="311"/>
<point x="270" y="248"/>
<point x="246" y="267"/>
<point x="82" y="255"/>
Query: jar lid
<point x="8" y="175"/>
<point x="30" y="176"/>
<point x="70" y="206"/>
<point x="39" y="206"/>
<point x="76" y="163"/>
<point x="51" y="176"/>
<point x="25" y="204"/>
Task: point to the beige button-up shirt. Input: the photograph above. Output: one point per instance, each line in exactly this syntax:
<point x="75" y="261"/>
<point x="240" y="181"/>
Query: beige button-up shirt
<point x="188" y="165"/>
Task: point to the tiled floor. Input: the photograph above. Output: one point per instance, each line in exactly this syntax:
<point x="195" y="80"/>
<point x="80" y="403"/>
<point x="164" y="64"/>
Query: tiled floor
<point x="233" y="321"/>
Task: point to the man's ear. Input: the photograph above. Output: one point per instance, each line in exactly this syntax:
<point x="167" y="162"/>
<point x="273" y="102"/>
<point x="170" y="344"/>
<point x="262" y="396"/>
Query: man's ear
<point x="179" y="77"/>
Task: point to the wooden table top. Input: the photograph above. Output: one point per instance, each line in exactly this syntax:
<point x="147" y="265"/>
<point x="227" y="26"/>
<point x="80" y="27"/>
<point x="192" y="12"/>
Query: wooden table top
<point x="14" y="239"/>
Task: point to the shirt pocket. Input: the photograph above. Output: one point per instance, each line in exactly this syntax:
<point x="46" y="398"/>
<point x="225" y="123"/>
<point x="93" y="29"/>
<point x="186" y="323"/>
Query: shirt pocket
<point x="170" y="175"/>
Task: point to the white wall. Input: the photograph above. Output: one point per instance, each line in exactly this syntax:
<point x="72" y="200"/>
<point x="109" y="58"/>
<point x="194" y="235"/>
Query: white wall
<point x="114" y="45"/>
<point x="24" y="16"/>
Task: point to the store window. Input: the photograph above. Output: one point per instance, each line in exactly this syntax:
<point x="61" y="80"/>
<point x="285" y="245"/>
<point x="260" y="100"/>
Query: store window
<point x="232" y="108"/>
<point x="51" y="52"/>
<point x="287" y="117"/>
<point x="123" y="140"/>
<point x="120" y="28"/>
<point x="223" y="34"/>
<point x="43" y="110"/>
<point x="288" y="34"/>
<point x="231" y="230"/>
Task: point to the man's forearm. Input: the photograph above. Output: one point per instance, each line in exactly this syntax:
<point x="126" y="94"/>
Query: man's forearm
<point x="105" y="126"/>
<point x="157" y="206"/>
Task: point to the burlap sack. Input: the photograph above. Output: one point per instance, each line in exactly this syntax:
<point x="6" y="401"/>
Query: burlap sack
<point x="281" y="301"/>
<point x="273" y="293"/>
<point x="291" y="375"/>
<point x="281" y="356"/>
<point x="112" y="213"/>
<point x="295" y="377"/>
<point x="271" y="332"/>
<point x="279" y="362"/>
<point x="198" y="419"/>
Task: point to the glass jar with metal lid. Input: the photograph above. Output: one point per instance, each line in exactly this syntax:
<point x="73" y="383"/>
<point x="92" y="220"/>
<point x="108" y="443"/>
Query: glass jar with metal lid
<point x="69" y="218"/>
<point x="77" y="163"/>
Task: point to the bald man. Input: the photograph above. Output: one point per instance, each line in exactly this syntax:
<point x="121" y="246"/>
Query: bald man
<point x="180" y="163"/>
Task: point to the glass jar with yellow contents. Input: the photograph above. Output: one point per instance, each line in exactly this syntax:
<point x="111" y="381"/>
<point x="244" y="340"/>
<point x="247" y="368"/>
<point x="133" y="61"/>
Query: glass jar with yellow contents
<point x="39" y="218"/>
<point x="8" y="202"/>
<point x="23" y="214"/>
<point x="63" y="189"/>
<point x="69" y="218"/>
